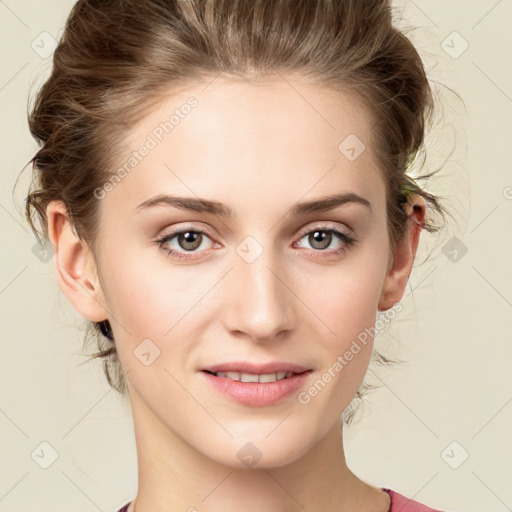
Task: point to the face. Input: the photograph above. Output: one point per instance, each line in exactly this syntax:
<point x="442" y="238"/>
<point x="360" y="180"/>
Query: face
<point x="257" y="281"/>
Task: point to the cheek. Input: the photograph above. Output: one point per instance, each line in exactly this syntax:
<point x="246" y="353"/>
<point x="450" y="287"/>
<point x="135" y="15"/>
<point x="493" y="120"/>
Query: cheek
<point x="141" y="300"/>
<point x="150" y="299"/>
<point x="349" y="313"/>
<point x="347" y="309"/>
<point x="345" y="300"/>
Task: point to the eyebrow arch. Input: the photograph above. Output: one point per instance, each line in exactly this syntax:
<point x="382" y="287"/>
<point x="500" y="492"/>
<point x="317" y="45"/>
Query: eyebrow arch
<point x="322" y="204"/>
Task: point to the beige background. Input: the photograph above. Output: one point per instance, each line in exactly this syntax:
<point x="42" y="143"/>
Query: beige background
<point x="454" y="332"/>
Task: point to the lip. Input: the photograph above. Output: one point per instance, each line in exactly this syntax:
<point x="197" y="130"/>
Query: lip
<point x="248" y="367"/>
<point x="256" y="394"/>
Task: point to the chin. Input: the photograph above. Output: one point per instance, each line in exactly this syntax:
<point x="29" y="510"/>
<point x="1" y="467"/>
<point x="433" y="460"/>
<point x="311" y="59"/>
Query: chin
<point x="258" y="453"/>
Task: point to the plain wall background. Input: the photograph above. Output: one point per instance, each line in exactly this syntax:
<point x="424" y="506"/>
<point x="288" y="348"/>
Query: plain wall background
<point x="451" y="398"/>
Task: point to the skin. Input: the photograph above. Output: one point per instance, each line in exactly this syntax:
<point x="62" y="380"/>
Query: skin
<point x="258" y="148"/>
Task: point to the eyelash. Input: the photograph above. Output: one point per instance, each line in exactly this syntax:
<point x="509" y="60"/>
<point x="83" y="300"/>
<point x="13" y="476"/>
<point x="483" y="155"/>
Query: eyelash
<point x="348" y="240"/>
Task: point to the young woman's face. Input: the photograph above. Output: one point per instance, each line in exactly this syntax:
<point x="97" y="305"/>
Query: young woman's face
<point x="270" y="284"/>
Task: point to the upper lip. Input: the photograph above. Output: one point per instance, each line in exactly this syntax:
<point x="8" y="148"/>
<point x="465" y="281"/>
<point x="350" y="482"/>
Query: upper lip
<point x="256" y="369"/>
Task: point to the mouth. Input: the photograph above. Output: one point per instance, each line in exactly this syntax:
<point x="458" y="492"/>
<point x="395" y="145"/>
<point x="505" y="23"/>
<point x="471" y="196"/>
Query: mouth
<point x="255" y="377"/>
<point x="256" y="385"/>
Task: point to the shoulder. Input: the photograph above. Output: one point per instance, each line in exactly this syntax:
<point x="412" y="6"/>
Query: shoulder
<point x="125" y="508"/>
<point x="400" y="503"/>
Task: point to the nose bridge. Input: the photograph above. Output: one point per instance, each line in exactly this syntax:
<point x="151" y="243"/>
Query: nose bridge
<point x="261" y="305"/>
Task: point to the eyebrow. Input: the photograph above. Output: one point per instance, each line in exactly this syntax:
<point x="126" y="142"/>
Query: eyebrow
<point x="322" y="204"/>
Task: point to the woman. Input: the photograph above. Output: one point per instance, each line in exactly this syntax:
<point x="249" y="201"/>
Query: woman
<point x="225" y="187"/>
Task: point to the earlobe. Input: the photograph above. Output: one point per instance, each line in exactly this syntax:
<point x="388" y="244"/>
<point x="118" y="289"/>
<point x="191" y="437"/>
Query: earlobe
<point x="401" y="263"/>
<point x="75" y="266"/>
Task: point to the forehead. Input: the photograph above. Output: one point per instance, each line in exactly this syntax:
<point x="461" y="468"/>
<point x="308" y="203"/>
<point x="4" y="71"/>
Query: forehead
<point x="223" y="134"/>
<point x="254" y="110"/>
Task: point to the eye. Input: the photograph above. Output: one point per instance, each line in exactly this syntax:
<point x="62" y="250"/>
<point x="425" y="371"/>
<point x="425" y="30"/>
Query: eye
<point x="186" y="240"/>
<point x="186" y="243"/>
<point x="322" y="237"/>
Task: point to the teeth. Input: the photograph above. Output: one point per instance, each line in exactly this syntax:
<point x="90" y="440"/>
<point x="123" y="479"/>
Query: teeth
<point x="250" y="377"/>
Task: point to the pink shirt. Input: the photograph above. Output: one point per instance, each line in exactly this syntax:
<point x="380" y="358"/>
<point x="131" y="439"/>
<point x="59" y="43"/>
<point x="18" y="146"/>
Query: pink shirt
<point x="399" y="503"/>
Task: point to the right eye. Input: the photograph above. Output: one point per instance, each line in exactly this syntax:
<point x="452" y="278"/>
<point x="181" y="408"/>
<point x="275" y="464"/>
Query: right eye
<point x="186" y="241"/>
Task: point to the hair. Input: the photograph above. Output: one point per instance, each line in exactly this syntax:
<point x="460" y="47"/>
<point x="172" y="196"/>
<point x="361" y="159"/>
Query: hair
<point x="118" y="58"/>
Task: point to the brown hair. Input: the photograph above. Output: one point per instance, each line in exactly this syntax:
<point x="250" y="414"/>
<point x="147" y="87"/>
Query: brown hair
<point x="116" y="58"/>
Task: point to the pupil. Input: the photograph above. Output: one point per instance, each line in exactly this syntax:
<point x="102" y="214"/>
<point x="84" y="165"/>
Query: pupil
<point x="190" y="238"/>
<point x="321" y="237"/>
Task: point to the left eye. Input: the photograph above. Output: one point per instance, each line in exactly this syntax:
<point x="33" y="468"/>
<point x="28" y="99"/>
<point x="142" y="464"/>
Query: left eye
<point x="321" y="238"/>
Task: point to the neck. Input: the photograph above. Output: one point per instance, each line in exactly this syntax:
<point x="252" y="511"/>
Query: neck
<point x="174" y="476"/>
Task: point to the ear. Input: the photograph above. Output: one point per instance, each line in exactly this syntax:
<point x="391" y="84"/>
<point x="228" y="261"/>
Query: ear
<point x="76" y="269"/>
<point x="402" y="261"/>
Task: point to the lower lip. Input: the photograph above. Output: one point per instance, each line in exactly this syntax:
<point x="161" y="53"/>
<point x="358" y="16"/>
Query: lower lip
<point x="257" y="394"/>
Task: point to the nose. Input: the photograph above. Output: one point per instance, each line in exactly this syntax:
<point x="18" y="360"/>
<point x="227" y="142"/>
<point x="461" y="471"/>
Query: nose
<point x="260" y="304"/>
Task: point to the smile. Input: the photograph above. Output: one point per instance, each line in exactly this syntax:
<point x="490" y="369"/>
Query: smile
<point x="251" y="377"/>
